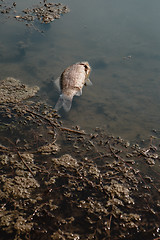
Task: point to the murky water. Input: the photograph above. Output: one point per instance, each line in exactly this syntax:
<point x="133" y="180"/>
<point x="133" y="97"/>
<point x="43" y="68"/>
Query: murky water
<point x="120" y="40"/>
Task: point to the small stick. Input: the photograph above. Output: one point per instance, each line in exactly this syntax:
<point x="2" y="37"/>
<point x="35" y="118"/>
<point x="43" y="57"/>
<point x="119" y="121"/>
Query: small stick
<point x="24" y="162"/>
<point x="102" y="156"/>
<point x="72" y="130"/>
<point x="19" y="155"/>
<point x="54" y="125"/>
<point x="41" y="116"/>
<point x="3" y="148"/>
<point x="109" y="226"/>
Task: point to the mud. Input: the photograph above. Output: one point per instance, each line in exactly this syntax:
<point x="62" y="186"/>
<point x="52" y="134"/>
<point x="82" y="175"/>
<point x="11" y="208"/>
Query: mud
<point x="12" y="91"/>
<point x="65" y="183"/>
<point x="43" y="12"/>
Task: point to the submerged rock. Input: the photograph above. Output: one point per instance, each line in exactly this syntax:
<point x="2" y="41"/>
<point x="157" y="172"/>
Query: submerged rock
<point x="65" y="161"/>
<point x="51" y="148"/>
<point x="13" y="91"/>
<point x="43" y="12"/>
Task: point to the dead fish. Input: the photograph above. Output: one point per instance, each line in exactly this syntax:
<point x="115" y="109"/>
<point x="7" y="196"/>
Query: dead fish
<point x="71" y="82"/>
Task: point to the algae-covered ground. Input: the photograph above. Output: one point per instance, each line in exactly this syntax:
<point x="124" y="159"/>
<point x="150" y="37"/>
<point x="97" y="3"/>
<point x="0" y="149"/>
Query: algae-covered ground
<point x="43" y="11"/>
<point x="65" y="183"/>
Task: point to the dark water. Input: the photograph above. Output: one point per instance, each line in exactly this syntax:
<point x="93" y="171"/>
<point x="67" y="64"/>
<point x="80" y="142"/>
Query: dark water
<point x="120" y="40"/>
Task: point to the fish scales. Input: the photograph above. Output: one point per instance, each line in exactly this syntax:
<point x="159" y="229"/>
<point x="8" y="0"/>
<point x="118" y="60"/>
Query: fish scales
<point x="71" y="83"/>
<point x="73" y="78"/>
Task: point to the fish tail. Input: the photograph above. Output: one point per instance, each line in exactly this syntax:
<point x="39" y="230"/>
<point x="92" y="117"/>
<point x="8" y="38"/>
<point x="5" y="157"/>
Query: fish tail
<point x="65" y="102"/>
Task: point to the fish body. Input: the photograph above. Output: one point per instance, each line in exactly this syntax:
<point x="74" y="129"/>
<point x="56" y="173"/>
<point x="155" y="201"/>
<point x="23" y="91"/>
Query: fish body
<point x="71" y="82"/>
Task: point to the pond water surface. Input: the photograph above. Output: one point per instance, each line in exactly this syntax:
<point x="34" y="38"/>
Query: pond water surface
<point x="120" y="40"/>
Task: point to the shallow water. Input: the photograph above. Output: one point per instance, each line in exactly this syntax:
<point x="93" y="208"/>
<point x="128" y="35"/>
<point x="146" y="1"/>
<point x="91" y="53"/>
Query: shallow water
<point x="120" y="40"/>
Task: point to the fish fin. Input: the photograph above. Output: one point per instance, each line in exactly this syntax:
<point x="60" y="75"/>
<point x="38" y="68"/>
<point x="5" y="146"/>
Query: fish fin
<point x="67" y="103"/>
<point x="59" y="103"/>
<point x="64" y="101"/>
<point x="88" y="82"/>
<point x="57" y="83"/>
<point x="79" y="93"/>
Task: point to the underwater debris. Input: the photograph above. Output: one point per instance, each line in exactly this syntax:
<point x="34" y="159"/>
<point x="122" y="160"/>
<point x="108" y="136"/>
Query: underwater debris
<point x="48" y="149"/>
<point x="12" y="91"/>
<point x="66" y="161"/>
<point x="62" y="183"/>
<point x="43" y="12"/>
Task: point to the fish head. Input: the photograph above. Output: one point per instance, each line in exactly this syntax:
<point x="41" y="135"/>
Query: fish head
<point x="87" y="68"/>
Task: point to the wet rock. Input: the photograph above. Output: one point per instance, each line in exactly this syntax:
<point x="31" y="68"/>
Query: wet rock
<point x="93" y="170"/>
<point x="12" y="91"/>
<point x="120" y="191"/>
<point x="150" y="161"/>
<point x="44" y="12"/>
<point x="12" y="220"/>
<point x="65" y="161"/>
<point x="18" y="187"/>
<point x="130" y="220"/>
<point x="51" y="148"/>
